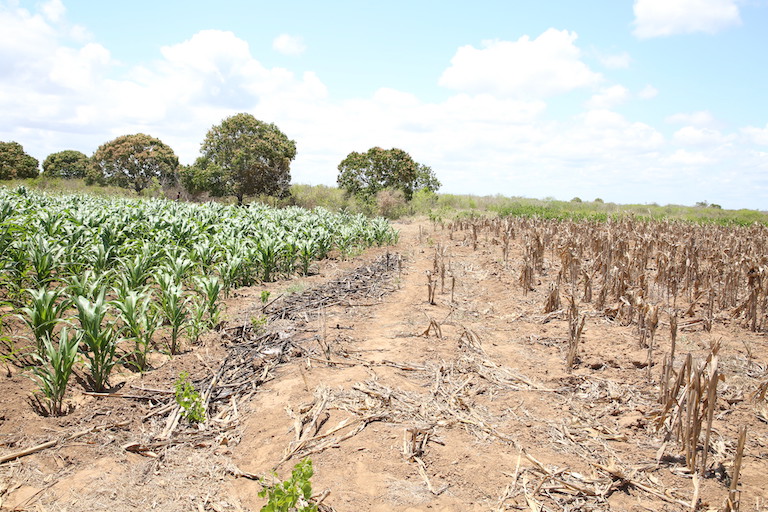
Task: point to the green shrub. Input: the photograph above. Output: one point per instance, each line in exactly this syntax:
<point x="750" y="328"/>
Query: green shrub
<point x="294" y="494"/>
<point x="192" y="407"/>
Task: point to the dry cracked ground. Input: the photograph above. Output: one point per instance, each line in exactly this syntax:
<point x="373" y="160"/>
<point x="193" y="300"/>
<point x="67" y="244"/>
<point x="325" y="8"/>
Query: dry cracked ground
<point x="415" y="377"/>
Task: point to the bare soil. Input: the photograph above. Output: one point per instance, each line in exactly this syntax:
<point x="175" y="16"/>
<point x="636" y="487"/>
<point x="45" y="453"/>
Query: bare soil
<point x="464" y="403"/>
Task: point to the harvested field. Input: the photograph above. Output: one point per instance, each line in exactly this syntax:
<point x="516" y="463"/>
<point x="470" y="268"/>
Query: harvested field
<point x="480" y="365"/>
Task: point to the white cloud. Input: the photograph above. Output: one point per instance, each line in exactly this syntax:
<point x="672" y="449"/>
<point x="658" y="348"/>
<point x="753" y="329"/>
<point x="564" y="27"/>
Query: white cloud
<point x="79" y="69"/>
<point x="53" y="86"/>
<point x="756" y="135"/>
<point x="209" y="51"/>
<point x="692" y="136"/>
<point x="395" y="98"/>
<point x="289" y="45"/>
<point x="655" y="18"/>
<point x="688" y="158"/>
<point x="53" y="10"/>
<point x="648" y="92"/>
<point x="609" y="97"/>
<point x="702" y="118"/>
<point x="617" y="61"/>
<point x="605" y="130"/>
<point x="548" y="65"/>
<point x="24" y="39"/>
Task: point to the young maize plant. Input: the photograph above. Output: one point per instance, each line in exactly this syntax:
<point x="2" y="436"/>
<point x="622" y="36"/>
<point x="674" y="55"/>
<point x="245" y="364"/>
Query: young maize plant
<point x="178" y="267"/>
<point x="102" y="257"/>
<point x="137" y="268"/>
<point x="268" y="254"/>
<point x="205" y="254"/>
<point x="323" y="241"/>
<point x="44" y="312"/>
<point x="345" y="240"/>
<point x="306" y="253"/>
<point x="54" y="369"/>
<point x="10" y="254"/>
<point x="288" y="257"/>
<point x="44" y="258"/>
<point x="197" y="323"/>
<point x="100" y="338"/>
<point x="140" y="320"/>
<point x="229" y="269"/>
<point x="209" y="288"/>
<point x="85" y="285"/>
<point x="9" y="352"/>
<point x="173" y="305"/>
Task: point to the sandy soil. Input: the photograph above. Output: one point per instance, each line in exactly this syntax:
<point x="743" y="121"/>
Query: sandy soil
<point x="461" y="404"/>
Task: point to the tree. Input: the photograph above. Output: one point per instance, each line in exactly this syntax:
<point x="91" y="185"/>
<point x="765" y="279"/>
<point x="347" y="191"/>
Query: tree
<point x="65" y="164"/>
<point x="133" y="161"/>
<point x="365" y="174"/>
<point x="242" y="156"/>
<point x="15" y="163"/>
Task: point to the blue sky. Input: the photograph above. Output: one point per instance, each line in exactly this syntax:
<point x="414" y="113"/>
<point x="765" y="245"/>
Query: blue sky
<point x="645" y="101"/>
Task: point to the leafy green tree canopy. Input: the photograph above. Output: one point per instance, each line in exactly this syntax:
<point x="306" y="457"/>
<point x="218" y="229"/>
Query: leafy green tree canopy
<point x="133" y="161"/>
<point x="15" y="163"/>
<point x="242" y="156"/>
<point x="365" y="174"/>
<point x="66" y="164"/>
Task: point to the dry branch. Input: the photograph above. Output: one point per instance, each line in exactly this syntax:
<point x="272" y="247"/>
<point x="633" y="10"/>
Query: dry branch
<point x="55" y="442"/>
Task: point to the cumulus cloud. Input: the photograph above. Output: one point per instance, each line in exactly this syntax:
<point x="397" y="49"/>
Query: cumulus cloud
<point x="79" y="69"/>
<point x="688" y="158"/>
<point x="25" y="39"/>
<point x="693" y="136"/>
<point x="656" y="18"/>
<point x="527" y="68"/>
<point x="53" y="10"/>
<point x="757" y="135"/>
<point x="289" y="45"/>
<point x="702" y="118"/>
<point x="58" y="92"/>
<point x="606" y="130"/>
<point x="609" y="97"/>
<point x="616" y="61"/>
<point x="648" y="92"/>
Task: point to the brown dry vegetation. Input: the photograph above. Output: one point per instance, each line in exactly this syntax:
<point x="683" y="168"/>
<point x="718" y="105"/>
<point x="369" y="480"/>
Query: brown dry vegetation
<point x="480" y="365"/>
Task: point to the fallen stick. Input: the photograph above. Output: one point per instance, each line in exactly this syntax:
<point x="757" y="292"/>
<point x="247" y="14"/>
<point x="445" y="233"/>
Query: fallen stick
<point x="331" y="361"/>
<point x="401" y="366"/>
<point x="51" y="444"/>
<point x="319" y="498"/>
<point x="239" y="473"/>
<point x="160" y="410"/>
<point x="634" y="483"/>
<point x="423" y="473"/>
<point x="28" y="451"/>
<point x="117" y="395"/>
<point x="153" y="390"/>
<point x="170" y="424"/>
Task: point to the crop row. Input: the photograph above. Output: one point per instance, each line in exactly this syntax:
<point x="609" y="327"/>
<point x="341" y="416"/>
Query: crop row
<point x="96" y="275"/>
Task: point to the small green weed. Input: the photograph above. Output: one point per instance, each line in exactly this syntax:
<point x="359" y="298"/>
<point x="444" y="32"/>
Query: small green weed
<point x="296" y="287"/>
<point x="190" y="401"/>
<point x="259" y="324"/>
<point x="292" y="495"/>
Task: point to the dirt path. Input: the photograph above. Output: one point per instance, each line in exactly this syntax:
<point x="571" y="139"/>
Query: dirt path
<point x="402" y="404"/>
